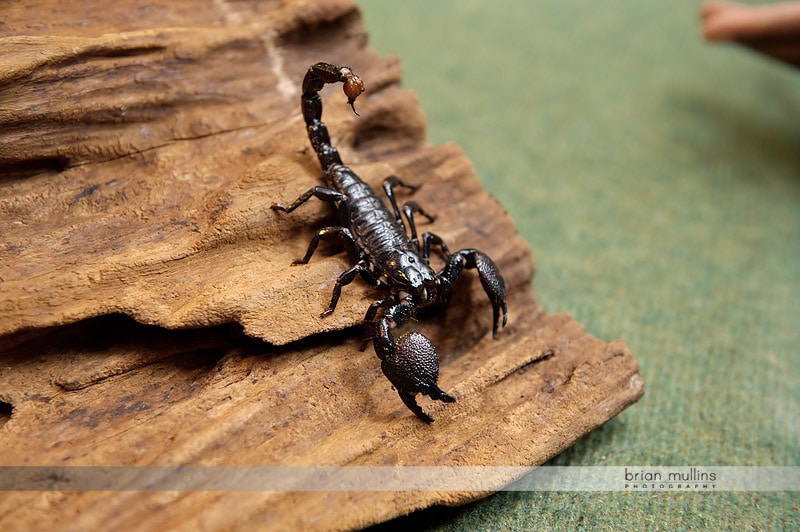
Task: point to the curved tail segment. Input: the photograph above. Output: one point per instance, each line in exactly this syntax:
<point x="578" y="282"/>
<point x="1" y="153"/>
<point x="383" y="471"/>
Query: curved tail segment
<point x="318" y="75"/>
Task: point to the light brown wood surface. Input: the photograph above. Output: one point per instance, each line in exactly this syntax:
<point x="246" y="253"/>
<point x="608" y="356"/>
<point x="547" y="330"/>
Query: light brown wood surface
<point x="149" y="312"/>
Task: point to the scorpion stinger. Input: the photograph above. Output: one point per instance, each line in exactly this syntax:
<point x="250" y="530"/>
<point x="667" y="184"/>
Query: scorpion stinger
<point x="383" y="254"/>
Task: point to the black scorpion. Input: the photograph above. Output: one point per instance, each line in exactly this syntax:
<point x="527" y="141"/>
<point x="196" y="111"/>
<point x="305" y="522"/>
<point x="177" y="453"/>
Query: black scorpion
<point x="383" y="254"/>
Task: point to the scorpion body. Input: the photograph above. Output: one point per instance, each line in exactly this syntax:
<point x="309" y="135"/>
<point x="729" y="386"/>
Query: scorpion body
<point x="383" y="254"/>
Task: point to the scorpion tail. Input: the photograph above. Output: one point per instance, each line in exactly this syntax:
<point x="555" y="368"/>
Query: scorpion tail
<point x="318" y="75"/>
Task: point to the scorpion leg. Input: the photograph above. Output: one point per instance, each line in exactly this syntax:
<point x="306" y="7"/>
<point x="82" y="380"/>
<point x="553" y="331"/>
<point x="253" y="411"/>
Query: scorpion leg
<point x="389" y="185"/>
<point x="492" y="281"/>
<point x="431" y="238"/>
<point x="409" y="208"/>
<point x="342" y="233"/>
<point x="410" y="362"/>
<point x="345" y="278"/>
<point x="322" y="193"/>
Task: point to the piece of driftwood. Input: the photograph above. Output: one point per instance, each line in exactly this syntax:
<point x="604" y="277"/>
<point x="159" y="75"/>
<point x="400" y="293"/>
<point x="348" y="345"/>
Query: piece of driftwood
<point x="140" y="149"/>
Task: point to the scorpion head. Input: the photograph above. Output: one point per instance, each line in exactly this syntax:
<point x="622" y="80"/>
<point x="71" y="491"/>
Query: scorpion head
<point x="412" y="272"/>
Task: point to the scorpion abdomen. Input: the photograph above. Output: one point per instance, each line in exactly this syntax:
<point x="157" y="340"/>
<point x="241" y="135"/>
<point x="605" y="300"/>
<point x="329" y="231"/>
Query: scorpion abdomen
<point x="373" y="225"/>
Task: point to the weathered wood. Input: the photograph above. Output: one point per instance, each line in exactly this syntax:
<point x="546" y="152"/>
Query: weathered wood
<point x="139" y="155"/>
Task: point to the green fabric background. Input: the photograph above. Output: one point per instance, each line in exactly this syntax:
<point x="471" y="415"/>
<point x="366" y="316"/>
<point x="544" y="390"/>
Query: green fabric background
<point x="657" y="178"/>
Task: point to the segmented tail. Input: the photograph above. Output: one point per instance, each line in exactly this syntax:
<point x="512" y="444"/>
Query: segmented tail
<point x="316" y="78"/>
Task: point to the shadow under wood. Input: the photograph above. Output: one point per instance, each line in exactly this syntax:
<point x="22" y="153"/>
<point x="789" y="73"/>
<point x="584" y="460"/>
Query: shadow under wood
<point x="170" y="365"/>
<point x="97" y="348"/>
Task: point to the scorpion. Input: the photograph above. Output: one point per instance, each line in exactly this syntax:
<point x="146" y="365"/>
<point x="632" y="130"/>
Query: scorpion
<point x="384" y="255"/>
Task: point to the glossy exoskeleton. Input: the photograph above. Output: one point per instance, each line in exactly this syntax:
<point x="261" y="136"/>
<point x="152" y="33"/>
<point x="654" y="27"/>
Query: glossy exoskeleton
<point x="385" y="256"/>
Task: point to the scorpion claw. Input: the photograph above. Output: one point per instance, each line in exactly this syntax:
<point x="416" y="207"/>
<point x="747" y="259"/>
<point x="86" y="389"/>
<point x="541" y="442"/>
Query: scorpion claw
<point x="410" y="401"/>
<point x="413" y="368"/>
<point x="491" y="280"/>
<point x="495" y="288"/>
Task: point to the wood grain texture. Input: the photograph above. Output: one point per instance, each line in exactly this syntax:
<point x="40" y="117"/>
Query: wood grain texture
<point x="140" y="150"/>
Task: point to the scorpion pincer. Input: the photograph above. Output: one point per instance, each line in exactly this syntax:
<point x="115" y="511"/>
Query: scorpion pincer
<point x="384" y="256"/>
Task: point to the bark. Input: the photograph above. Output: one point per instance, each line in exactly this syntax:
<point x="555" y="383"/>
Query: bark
<point x="150" y="315"/>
